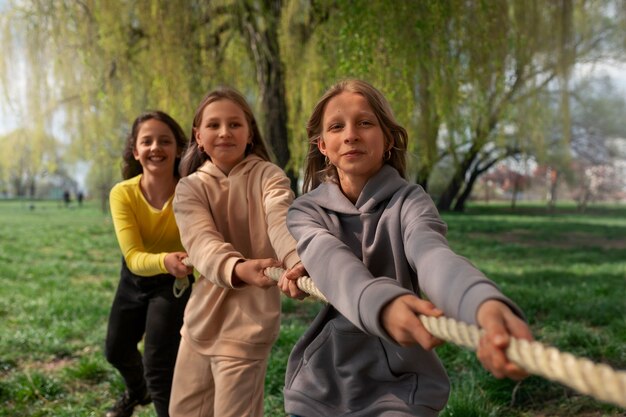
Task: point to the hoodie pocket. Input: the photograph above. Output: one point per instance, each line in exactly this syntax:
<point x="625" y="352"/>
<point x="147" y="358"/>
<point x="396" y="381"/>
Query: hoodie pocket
<point x="346" y="369"/>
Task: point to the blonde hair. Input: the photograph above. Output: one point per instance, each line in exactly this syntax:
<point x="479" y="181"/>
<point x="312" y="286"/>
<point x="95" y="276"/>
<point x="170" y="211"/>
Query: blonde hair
<point x="317" y="170"/>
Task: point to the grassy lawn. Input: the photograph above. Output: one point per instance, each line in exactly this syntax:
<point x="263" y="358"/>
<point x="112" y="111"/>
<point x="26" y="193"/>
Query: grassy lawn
<point x="59" y="269"/>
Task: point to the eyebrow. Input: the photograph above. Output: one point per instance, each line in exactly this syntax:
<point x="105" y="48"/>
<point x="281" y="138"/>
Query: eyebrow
<point x="228" y="118"/>
<point x="157" y="137"/>
<point x="359" y="114"/>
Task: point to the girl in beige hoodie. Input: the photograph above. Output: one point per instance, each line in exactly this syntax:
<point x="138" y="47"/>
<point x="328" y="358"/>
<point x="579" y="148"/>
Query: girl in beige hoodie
<point x="230" y="207"/>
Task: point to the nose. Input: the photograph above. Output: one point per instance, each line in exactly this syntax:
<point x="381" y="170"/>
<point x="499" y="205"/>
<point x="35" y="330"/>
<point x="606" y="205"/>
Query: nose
<point x="223" y="130"/>
<point x="351" y="133"/>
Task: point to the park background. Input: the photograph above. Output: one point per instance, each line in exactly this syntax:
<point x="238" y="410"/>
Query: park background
<point x="515" y="111"/>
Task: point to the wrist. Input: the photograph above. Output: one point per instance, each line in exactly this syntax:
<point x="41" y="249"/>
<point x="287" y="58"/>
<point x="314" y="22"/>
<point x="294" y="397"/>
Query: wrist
<point x="487" y="309"/>
<point x="235" y="278"/>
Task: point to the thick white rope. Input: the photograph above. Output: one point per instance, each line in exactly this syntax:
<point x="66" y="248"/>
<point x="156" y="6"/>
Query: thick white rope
<point x="597" y="380"/>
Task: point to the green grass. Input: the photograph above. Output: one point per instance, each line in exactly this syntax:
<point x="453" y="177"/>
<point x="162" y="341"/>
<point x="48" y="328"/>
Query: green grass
<point x="59" y="270"/>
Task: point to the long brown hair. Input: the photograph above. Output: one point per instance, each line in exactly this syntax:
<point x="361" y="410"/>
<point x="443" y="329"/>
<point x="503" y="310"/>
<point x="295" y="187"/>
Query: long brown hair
<point x="193" y="158"/>
<point x="316" y="170"/>
<point x="130" y="166"/>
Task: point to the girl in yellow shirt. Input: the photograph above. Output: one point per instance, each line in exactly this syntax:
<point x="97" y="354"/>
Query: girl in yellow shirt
<point x="144" y="305"/>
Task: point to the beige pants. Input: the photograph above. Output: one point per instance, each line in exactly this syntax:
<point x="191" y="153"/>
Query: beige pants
<point x="216" y="386"/>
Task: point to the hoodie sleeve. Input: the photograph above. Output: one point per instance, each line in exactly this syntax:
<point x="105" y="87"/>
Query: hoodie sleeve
<point x="214" y="258"/>
<point x="277" y="197"/>
<point x="337" y="272"/>
<point x="450" y="281"/>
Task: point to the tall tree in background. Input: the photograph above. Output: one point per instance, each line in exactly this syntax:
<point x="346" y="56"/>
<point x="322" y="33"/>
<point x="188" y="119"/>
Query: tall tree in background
<point x="25" y="158"/>
<point x="257" y="24"/>
<point x="469" y="80"/>
<point x="105" y="63"/>
<point x="509" y="59"/>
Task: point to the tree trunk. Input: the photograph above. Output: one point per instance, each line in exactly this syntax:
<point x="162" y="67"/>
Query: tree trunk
<point x="458" y="179"/>
<point x="421" y="178"/>
<point x="554" y="182"/>
<point x="261" y="33"/>
<point x="516" y="188"/>
<point x="459" y="205"/>
<point x="275" y="106"/>
<point x="427" y="127"/>
<point x="469" y="187"/>
<point x="32" y="187"/>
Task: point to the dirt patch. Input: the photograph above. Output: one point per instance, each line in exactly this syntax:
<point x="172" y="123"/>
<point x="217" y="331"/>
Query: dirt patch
<point x="56" y="364"/>
<point x="565" y="241"/>
<point x="52" y="365"/>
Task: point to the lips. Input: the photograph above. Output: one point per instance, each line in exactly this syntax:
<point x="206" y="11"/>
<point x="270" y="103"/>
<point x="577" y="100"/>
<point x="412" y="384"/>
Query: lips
<point x="154" y="159"/>
<point x="353" y="152"/>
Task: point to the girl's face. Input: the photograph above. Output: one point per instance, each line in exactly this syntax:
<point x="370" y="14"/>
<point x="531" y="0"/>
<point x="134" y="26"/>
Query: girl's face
<point x="352" y="137"/>
<point x="223" y="133"/>
<point x="155" y="148"/>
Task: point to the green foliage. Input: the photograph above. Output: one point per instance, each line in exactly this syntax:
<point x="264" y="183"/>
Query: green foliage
<point x="472" y="81"/>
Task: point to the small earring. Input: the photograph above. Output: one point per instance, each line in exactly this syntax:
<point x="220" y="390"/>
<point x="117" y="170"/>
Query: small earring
<point x="387" y="155"/>
<point x="327" y="161"/>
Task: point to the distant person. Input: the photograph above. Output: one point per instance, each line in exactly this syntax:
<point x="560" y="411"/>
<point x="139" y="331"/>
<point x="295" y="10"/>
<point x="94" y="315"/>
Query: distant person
<point x="144" y="305"/>
<point x="67" y="198"/>
<point x="79" y="197"/>
<point x="373" y="243"/>
<point x="230" y="206"/>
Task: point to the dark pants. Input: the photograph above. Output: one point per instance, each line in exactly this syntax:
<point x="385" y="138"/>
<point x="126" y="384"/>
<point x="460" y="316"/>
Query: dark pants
<point x="146" y="307"/>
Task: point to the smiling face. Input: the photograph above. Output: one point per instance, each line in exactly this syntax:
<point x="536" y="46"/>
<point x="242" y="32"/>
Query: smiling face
<point x="223" y="133"/>
<point x="352" y="139"/>
<point x="156" y="148"/>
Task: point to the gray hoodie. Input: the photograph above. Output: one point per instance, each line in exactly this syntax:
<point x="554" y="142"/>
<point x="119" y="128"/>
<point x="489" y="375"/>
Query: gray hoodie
<point x="361" y="256"/>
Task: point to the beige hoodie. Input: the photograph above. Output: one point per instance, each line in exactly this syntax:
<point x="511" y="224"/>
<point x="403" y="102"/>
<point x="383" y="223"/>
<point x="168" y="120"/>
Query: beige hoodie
<point x="223" y="219"/>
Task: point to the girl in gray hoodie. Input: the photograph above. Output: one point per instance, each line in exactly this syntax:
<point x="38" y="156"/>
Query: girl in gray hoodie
<point x="375" y="246"/>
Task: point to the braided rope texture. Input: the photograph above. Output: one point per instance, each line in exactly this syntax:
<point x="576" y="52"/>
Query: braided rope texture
<point x="597" y="380"/>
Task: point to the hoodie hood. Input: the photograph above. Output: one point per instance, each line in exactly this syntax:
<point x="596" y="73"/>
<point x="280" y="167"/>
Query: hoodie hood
<point x="249" y="162"/>
<point x="378" y="189"/>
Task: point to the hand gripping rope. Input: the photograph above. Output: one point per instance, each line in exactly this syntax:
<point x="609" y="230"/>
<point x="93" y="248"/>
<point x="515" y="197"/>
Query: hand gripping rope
<point x="597" y="380"/>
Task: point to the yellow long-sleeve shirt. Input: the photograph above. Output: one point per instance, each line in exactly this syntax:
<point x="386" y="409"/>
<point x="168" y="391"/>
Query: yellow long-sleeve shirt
<point x="144" y="233"/>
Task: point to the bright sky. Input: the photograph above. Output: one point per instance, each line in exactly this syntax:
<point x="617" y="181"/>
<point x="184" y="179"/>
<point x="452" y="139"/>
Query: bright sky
<point x="616" y="71"/>
<point x="8" y="120"/>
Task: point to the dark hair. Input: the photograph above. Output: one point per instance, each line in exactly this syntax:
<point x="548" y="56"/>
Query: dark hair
<point x="130" y="166"/>
<point x="193" y="157"/>
<point x="316" y="170"/>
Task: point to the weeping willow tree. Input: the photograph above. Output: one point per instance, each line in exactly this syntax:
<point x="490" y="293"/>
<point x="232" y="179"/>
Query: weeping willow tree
<point x="99" y="64"/>
<point x="515" y="56"/>
<point x="27" y="157"/>
<point x="468" y="79"/>
<point x="472" y="81"/>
